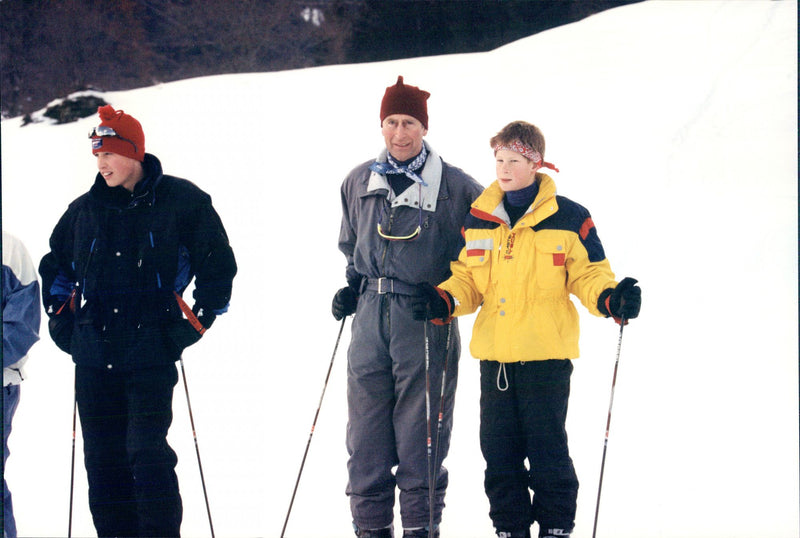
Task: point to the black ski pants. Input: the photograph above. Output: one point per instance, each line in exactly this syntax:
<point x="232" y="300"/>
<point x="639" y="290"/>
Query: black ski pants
<point x="133" y="488"/>
<point x="523" y="416"/>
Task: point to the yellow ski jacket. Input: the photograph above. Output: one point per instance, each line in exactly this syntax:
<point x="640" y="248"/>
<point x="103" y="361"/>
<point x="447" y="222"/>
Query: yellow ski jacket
<point x="521" y="277"/>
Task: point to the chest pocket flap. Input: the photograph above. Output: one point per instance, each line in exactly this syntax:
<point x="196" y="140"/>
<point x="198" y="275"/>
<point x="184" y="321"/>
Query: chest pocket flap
<point x="551" y="260"/>
<point x="479" y="255"/>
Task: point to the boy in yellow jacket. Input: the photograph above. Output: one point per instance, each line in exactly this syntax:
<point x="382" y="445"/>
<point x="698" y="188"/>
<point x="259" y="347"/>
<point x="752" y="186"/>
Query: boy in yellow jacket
<point x="526" y="251"/>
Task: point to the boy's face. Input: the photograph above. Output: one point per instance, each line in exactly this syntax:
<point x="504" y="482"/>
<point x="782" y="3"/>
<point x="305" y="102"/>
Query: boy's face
<point x="118" y="170"/>
<point x="403" y="136"/>
<point x="514" y="172"/>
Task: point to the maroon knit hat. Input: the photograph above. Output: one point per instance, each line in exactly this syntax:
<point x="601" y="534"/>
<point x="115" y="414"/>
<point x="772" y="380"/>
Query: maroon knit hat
<point x="402" y="99"/>
<point x="128" y="137"/>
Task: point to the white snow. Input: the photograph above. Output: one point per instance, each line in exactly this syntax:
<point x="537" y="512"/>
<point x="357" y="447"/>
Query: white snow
<point x="674" y="122"/>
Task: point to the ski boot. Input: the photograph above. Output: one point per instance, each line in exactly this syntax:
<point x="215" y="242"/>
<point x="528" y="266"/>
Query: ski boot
<point x="514" y="534"/>
<point x="554" y="533"/>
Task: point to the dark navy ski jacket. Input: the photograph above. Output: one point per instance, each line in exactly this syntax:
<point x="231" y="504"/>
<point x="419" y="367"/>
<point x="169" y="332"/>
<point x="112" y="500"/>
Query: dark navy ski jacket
<point x="118" y="259"/>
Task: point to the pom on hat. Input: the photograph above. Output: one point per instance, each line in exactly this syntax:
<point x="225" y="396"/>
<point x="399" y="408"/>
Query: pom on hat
<point x="402" y="99"/>
<point x="129" y="139"/>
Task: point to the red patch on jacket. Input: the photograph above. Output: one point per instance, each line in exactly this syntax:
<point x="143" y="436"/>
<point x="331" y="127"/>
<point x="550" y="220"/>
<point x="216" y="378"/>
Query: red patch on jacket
<point x="586" y="227"/>
<point x="559" y="258"/>
<point x="476" y="252"/>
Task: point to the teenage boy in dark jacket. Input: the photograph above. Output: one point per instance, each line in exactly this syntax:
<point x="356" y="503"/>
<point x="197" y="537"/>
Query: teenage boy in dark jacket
<point x="121" y="256"/>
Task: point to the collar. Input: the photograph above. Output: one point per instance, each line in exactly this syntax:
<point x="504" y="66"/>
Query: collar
<point x="524" y="196"/>
<point x="121" y="198"/>
<point x="409" y="168"/>
<point x="489" y="205"/>
<point x="425" y="193"/>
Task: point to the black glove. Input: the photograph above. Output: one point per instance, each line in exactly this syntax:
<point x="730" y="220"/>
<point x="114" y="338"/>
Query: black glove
<point x="622" y="302"/>
<point x="60" y="327"/>
<point x="205" y="317"/>
<point x="432" y="303"/>
<point x="61" y="323"/>
<point x="344" y="303"/>
<point x="182" y="334"/>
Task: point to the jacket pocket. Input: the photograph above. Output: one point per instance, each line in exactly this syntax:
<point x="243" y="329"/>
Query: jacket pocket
<point x="478" y="262"/>
<point x="551" y="263"/>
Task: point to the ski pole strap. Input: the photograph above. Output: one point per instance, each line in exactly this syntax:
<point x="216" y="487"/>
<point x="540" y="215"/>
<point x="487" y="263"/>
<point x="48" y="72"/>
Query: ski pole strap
<point x="620" y="320"/>
<point x="190" y="316"/>
<point x="70" y="301"/>
<point x="450" y="308"/>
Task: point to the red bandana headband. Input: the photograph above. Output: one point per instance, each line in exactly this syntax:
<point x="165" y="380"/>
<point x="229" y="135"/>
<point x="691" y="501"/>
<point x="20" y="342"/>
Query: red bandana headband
<point x="525" y="151"/>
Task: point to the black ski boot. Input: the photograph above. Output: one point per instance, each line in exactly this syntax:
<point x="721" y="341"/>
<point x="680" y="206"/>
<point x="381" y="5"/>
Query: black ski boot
<point x="554" y="533"/>
<point x="514" y="534"/>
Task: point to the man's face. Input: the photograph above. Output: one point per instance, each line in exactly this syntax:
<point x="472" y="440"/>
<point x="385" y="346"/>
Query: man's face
<point x="403" y="136"/>
<point x="118" y="170"/>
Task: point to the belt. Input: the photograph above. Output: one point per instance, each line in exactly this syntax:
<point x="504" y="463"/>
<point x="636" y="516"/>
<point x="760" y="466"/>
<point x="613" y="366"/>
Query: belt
<point x="385" y="285"/>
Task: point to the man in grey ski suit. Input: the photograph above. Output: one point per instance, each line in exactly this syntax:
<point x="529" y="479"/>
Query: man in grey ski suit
<point x="401" y="227"/>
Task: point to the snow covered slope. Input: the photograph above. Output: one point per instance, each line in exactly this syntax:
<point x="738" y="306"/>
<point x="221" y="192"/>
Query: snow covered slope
<point x="674" y="122"/>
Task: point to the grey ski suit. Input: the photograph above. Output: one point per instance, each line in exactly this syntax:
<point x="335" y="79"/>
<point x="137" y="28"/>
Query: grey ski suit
<point x="386" y="381"/>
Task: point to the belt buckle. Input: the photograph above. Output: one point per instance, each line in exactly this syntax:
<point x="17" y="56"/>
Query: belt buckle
<point x="381" y="291"/>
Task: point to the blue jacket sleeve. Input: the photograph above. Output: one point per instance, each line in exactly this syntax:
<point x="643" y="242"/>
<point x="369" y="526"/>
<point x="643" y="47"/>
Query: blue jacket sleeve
<point x="21" y="307"/>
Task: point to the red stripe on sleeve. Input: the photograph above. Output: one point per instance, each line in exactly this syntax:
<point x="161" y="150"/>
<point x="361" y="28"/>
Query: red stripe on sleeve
<point x="586" y="227"/>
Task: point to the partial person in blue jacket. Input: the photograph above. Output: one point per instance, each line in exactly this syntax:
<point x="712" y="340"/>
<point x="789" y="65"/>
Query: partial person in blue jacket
<point x="22" y="314"/>
<point x="120" y="259"/>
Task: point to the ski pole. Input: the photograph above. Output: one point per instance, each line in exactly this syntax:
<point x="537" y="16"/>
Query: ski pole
<point x="608" y="427"/>
<point x="428" y="424"/>
<point x="197" y="448"/>
<point x="72" y="470"/>
<point x="313" y="426"/>
<point x="439" y="426"/>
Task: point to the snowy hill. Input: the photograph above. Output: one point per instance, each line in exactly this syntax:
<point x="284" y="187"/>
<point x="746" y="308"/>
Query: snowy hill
<point x="674" y="122"/>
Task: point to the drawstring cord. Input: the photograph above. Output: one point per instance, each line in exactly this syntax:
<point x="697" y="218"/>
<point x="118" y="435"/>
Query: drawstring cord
<point x="502" y="370"/>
